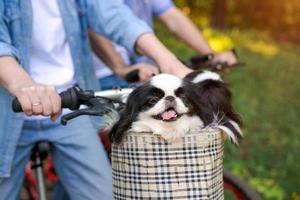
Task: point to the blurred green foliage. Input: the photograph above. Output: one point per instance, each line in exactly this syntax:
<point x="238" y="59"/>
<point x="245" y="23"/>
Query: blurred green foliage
<point x="266" y="93"/>
<point x="280" y="18"/>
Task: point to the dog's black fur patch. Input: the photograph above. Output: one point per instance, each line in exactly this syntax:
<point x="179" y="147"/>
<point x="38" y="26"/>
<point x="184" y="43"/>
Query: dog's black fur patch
<point x="216" y="96"/>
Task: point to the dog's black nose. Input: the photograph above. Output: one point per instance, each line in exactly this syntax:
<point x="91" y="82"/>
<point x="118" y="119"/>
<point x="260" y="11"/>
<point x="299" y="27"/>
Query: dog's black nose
<point x="169" y="98"/>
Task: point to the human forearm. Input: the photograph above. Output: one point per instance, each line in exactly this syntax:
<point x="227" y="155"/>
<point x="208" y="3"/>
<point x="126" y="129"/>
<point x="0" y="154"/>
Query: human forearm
<point x="184" y="28"/>
<point x="35" y="99"/>
<point x="12" y="75"/>
<point x="105" y="50"/>
<point x="149" y="45"/>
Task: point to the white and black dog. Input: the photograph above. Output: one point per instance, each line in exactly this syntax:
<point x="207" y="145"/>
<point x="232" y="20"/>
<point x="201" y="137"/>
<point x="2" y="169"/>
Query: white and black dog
<point x="171" y="107"/>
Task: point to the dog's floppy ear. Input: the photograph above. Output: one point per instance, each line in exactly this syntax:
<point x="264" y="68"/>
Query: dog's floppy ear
<point x="202" y="95"/>
<point x="191" y="93"/>
<point x="127" y="117"/>
<point x="216" y="96"/>
<point x="129" y="114"/>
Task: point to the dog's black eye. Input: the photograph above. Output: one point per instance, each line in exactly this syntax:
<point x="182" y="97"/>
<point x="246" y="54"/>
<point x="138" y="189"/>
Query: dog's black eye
<point x="155" y="92"/>
<point x="153" y="100"/>
<point x="156" y="95"/>
<point x="182" y="95"/>
<point x="150" y="102"/>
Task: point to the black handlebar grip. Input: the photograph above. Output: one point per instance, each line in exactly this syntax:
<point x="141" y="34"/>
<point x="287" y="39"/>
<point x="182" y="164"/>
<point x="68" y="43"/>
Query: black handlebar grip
<point x="133" y="76"/>
<point x="202" y="58"/>
<point x="69" y="100"/>
<point x="16" y="106"/>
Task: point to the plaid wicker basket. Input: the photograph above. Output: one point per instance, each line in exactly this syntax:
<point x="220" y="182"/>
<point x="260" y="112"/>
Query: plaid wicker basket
<point x="146" y="166"/>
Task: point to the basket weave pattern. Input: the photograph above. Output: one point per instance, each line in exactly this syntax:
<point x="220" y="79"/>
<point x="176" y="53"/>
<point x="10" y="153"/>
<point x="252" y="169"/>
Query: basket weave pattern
<point x="148" y="167"/>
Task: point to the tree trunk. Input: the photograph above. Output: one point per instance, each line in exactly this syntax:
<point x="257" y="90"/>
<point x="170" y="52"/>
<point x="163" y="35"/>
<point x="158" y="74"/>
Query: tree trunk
<point x="219" y="11"/>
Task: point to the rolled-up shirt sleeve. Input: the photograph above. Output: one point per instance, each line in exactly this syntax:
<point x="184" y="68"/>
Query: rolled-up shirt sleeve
<point x="6" y="47"/>
<point x="159" y="7"/>
<point x="116" y="22"/>
<point x="8" y="50"/>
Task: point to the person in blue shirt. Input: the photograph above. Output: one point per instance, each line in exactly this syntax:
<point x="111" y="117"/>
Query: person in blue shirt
<point x="44" y="49"/>
<point x="175" y="21"/>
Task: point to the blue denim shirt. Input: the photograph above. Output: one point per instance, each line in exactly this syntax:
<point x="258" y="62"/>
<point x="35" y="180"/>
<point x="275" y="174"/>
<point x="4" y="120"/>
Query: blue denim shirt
<point x="146" y="10"/>
<point x="105" y="17"/>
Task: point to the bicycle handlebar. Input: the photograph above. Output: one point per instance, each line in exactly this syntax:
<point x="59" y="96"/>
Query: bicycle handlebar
<point x="98" y="103"/>
<point x="206" y="62"/>
<point x="71" y="98"/>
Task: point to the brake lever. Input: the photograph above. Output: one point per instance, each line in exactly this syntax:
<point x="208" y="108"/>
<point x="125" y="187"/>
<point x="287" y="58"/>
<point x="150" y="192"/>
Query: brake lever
<point x="65" y="118"/>
<point x="84" y="96"/>
<point x="95" y="108"/>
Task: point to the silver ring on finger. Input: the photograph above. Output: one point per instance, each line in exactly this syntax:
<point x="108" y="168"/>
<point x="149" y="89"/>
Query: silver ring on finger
<point x="36" y="104"/>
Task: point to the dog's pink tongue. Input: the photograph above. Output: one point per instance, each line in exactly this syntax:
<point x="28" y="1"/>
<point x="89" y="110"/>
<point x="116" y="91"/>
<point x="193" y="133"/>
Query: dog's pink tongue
<point x="168" y="115"/>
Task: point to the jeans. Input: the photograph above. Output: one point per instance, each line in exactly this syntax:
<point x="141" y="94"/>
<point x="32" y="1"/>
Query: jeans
<point x="79" y="158"/>
<point x="112" y="81"/>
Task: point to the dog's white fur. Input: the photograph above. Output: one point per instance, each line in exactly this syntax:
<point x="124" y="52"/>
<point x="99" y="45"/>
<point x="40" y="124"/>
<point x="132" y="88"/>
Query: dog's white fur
<point x="207" y="75"/>
<point x="166" y="82"/>
<point x="167" y="130"/>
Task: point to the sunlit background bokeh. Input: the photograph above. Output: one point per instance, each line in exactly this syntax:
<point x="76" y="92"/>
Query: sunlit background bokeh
<point x="266" y="92"/>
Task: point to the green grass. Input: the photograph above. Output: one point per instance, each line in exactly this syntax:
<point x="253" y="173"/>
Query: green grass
<point x="266" y="93"/>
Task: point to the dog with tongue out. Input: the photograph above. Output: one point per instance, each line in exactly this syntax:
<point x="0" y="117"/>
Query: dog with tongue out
<point x="166" y="106"/>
